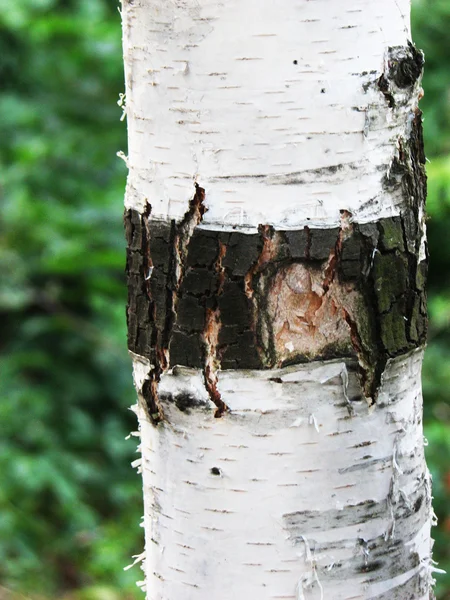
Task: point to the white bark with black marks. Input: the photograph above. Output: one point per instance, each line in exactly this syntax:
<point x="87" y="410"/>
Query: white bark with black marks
<point x="277" y="312"/>
<point x="275" y="103"/>
<point x="301" y="490"/>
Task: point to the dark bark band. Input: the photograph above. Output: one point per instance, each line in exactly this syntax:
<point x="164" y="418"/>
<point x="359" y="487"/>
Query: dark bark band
<point x="375" y="259"/>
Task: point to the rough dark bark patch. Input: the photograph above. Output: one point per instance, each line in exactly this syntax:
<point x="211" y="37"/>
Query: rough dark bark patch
<point x="153" y="292"/>
<point x="405" y="65"/>
<point x="404" y="69"/>
<point x="380" y="261"/>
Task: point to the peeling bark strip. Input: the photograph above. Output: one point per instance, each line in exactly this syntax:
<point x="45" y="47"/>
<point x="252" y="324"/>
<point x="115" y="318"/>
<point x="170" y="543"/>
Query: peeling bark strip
<point x="211" y="333"/>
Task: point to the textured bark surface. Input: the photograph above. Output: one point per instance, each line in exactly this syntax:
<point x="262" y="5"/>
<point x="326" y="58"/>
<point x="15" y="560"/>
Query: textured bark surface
<point x="276" y="268"/>
<point x="282" y="296"/>
<point x="297" y="493"/>
<point x="316" y="294"/>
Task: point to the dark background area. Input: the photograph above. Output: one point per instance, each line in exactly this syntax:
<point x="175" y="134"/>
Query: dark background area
<point x="70" y="504"/>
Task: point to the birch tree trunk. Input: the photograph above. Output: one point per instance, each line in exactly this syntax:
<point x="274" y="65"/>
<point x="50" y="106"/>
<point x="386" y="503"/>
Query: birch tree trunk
<point x="276" y="317"/>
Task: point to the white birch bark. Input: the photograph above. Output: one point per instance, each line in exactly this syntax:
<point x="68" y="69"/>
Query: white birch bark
<point x="308" y="486"/>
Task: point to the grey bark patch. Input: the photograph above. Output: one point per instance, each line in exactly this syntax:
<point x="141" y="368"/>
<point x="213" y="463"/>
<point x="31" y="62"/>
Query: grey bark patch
<point x="299" y="524"/>
<point x="381" y="557"/>
<point x="409" y="514"/>
<point x="371" y="232"/>
<point x="416" y="587"/>
<point x="185" y="402"/>
<point x="366" y="464"/>
<point x="377" y="558"/>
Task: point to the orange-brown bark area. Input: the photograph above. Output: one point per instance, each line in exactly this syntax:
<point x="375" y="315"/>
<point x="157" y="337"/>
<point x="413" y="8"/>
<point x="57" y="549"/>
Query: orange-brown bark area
<point x="307" y="318"/>
<point x="211" y="338"/>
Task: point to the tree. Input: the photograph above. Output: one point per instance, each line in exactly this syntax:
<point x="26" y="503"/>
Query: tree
<point x="276" y="268"/>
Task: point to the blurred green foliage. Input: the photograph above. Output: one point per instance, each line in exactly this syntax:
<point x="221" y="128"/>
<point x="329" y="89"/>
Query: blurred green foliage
<point x="70" y="504"/>
<point x="431" y="24"/>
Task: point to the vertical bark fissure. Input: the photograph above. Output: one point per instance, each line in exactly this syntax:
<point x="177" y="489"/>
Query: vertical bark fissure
<point x="255" y="283"/>
<point x="170" y="299"/>
<point x="181" y="235"/>
<point x="211" y="338"/>
<point x="141" y="309"/>
<point x="414" y="182"/>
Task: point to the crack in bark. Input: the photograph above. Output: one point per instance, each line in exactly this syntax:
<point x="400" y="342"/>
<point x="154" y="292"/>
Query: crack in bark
<point x="182" y="234"/>
<point x="211" y="339"/>
<point x="255" y="280"/>
<point x="370" y="377"/>
<point x="268" y="253"/>
<point x="142" y="307"/>
<point x="369" y="383"/>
